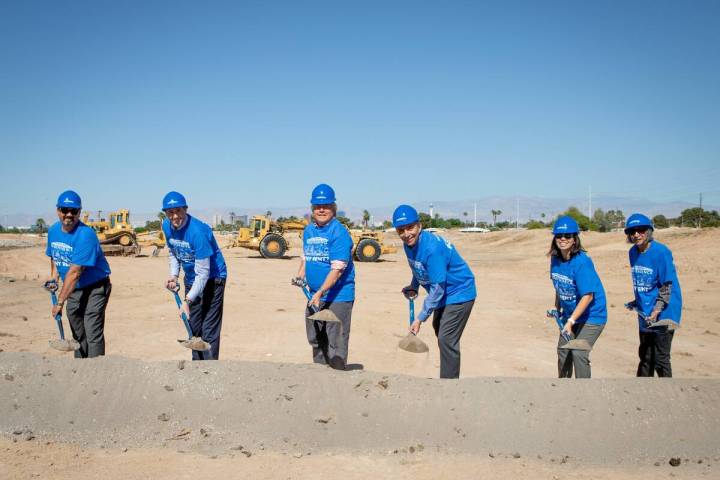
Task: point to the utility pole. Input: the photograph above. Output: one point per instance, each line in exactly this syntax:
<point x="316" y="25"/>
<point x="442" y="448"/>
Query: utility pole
<point x="517" y="213"/>
<point x="590" y="202"/>
<point x="701" y="212"/>
<point x="475" y="214"/>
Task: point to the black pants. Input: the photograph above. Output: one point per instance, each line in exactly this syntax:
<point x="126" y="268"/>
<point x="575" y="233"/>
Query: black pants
<point x="654" y="353"/>
<point x="86" y="316"/>
<point x="449" y="322"/>
<point x="330" y="340"/>
<point x="206" y="317"/>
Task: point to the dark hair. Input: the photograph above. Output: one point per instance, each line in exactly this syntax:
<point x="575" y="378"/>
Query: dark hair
<point x="576" y="248"/>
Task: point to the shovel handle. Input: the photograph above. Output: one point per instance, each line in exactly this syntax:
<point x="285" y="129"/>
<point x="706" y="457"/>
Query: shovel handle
<point x="561" y="325"/>
<point x="182" y="314"/>
<point x="58" y="317"/>
<point x="303" y="286"/>
<point x="411" y="302"/>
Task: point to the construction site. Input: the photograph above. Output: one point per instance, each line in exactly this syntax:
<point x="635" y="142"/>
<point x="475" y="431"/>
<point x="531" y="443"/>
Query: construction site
<point x="265" y="410"/>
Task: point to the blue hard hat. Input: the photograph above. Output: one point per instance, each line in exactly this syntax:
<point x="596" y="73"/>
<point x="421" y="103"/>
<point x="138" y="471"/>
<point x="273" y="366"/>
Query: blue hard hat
<point x="404" y="215"/>
<point x="638" y="220"/>
<point x="565" y="224"/>
<point x="69" y="199"/>
<point x="323" y="194"/>
<point x="173" y="200"/>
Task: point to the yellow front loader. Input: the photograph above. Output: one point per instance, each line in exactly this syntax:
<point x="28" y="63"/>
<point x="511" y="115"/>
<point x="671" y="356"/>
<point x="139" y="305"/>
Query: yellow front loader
<point x="116" y="235"/>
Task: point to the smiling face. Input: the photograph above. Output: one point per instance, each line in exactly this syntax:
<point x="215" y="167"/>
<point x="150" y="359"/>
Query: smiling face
<point x="69" y="217"/>
<point x="565" y="242"/>
<point x="639" y="236"/>
<point x="409" y="234"/>
<point x="322" y="214"/>
<point x="176" y="216"/>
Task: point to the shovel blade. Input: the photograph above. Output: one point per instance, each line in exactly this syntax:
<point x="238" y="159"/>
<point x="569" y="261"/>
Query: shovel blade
<point x="195" y="343"/>
<point x="577" y="344"/>
<point x="413" y="344"/>
<point x="665" y="323"/>
<point x="324" y="316"/>
<point x="64" y="345"/>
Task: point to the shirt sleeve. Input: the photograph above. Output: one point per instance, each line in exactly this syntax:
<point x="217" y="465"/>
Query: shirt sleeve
<point x="85" y="251"/>
<point x="341" y="247"/>
<point x="434" y="296"/>
<point x="586" y="278"/>
<point x="202" y="274"/>
<point x="174" y="263"/>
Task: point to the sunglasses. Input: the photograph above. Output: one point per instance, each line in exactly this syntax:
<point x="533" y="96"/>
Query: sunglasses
<point x="633" y="231"/>
<point x="66" y="210"/>
<point x="566" y="236"/>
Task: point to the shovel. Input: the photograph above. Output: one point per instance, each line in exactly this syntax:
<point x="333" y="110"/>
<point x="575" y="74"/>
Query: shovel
<point x="193" y="343"/>
<point x="60" y="344"/>
<point x="671" y="325"/>
<point x="571" y="343"/>
<point x="323" y="315"/>
<point x="411" y="343"/>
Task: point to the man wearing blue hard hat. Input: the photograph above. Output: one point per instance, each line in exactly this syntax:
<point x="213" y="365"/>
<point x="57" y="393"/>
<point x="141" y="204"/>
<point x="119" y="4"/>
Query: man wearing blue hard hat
<point x="448" y="280"/>
<point x="77" y="259"/>
<point x="192" y="246"/>
<point x="328" y="269"/>
<point x="658" y="298"/>
<point x="579" y="297"/>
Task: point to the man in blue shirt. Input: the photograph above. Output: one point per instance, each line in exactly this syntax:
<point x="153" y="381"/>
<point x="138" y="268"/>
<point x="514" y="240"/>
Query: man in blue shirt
<point x="328" y="268"/>
<point x="657" y="295"/>
<point x="191" y="244"/>
<point x="77" y="259"/>
<point x="439" y="268"/>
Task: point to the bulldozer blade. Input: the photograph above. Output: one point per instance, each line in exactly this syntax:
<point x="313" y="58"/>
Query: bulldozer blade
<point x="64" y="345"/>
<point x="324" y="316"/>
<point x="577" y="344"/>
<point x="411" y="343"/>
<point x="195" y="343"/>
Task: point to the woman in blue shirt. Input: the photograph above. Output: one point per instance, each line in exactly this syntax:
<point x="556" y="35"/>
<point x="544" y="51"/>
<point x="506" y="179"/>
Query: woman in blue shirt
<point x="579" y="296"/>
<point x="657" y="296"/>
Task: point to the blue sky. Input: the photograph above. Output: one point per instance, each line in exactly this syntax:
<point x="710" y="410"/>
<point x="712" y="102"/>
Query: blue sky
<point x="253" y="103"/>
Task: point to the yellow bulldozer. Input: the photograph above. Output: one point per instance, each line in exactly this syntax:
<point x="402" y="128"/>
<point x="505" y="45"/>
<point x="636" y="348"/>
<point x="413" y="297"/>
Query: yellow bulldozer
<point x="116" y="235"/>
<point x="269" y="237"/>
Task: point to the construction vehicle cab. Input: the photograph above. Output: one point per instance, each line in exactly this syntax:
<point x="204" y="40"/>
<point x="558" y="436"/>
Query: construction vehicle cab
<point x="116" y="236"/>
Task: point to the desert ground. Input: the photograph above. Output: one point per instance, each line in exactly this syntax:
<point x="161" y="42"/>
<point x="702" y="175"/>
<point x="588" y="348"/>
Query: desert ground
<point x="263" y="411"/>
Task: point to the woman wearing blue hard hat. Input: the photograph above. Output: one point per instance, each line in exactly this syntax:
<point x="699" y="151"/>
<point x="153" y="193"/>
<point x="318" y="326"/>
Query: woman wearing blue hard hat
<point x="579" y="297"/>
<point x="448" y="280"/>
<point x="327" y="268"/>
<point x="657" y="296"/>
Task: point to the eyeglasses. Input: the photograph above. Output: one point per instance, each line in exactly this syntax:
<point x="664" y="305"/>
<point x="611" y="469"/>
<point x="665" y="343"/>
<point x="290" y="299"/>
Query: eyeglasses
<point x="633" y="231"/>
<point x="66" y="210"/>
<point x="566" y="236"/>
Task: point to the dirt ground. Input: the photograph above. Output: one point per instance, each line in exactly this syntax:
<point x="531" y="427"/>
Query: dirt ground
<point x="507" y="336"/>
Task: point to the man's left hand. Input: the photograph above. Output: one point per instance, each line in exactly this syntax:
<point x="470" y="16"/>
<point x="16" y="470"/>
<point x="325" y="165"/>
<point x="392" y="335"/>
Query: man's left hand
<point x="315" y="300"/>
<point x="185" y="309"/>
<point x="56" y="310"/>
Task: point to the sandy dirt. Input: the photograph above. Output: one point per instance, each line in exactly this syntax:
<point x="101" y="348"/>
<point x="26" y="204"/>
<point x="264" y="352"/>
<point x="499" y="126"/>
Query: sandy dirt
<point x="507" y="339"/>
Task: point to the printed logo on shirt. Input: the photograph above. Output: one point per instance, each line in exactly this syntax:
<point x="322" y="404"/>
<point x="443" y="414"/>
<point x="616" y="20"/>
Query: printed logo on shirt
<point x="317" y="250"/>
<point x="643" y="278"/>
<point x="564" y="285"/>
<point x="182" y="250"/>
<point x="419" y="272"/>
<point x="61" y="253"/>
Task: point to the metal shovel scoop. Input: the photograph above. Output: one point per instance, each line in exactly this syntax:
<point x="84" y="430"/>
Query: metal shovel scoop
<point x="193" y="343"/>
<point x="671" y="325"/>
<point x="60" y="343"/>
<point x="411" y="343"/>
<point x="325" y="315"/>
<point x="571" y="343"/>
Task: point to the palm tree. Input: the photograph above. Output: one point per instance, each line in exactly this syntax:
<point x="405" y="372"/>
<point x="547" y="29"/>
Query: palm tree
<point x="465" y="215"/>
<point x="161" y="215"/>
<point x="366" y="218"/>
<point x="495" y="214"/>
<point x="268" y="214"/>
<point x="232" y="218"/>
<point x="40" y="224"/>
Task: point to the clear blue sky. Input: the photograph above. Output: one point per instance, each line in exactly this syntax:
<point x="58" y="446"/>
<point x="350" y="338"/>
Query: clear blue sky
<point x="252" y="103"/>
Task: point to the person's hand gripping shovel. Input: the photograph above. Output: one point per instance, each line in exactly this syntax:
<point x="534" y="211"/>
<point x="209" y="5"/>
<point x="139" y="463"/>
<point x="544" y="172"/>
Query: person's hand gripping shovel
<point x="324" y="315"/>
<point x="193" y="343"/>
<point x="411" y="343"/>
<point x="60" y="343"/>
<point x="649" y="323"/>
<point x="571" y="343"/>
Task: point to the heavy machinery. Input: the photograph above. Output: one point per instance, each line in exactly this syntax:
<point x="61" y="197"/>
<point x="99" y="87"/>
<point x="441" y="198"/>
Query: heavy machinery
<point x="155" y="239"/>
<point x="116" y="235"/>
<point x="270" y="239"/>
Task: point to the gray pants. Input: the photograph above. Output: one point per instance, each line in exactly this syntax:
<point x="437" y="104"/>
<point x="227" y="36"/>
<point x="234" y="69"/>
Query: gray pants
<point x="86" y="315"/>
<point x="567" y="359"/>
<point x="449" y="322"/>
<point x="330" y="340"/>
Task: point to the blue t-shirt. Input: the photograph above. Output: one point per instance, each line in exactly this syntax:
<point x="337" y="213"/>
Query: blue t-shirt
<point x="194" y="241"/>
<point x="650" y="270"/>
<point x="79" y="247"/>
<point x="323" y="245"/>
<point x="573" y="280"/>
<point x="435" y="260"/>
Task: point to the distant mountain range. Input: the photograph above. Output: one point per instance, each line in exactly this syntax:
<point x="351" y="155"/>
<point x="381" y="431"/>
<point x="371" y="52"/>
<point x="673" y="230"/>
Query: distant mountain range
<point x="529" y="208"/>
